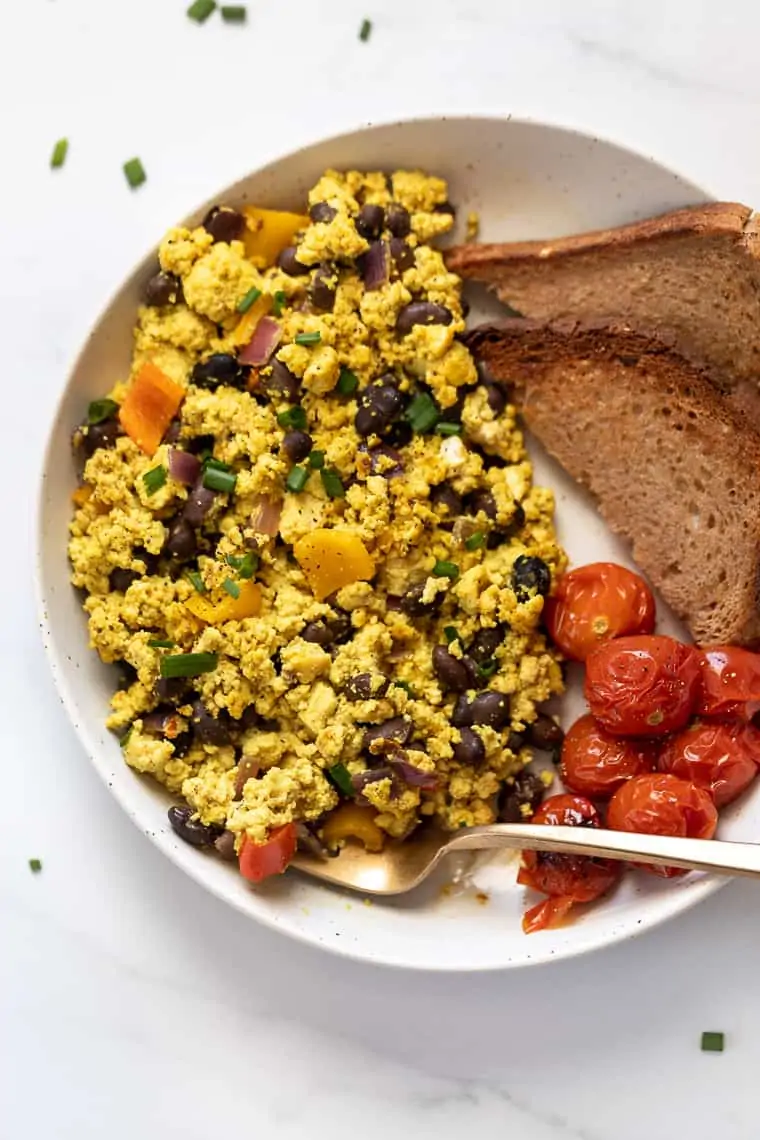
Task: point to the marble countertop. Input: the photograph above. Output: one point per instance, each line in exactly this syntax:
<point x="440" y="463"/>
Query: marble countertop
<point x="132" y="1004"/>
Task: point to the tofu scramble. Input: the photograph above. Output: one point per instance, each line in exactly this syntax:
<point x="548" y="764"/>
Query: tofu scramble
<point x="307" y="535"/>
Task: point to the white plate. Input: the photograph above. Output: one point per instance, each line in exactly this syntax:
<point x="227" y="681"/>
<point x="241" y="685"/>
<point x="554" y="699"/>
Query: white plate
<point x="525" y="180"/>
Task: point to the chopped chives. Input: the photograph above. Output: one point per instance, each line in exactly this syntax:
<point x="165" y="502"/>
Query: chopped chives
<point x="217" y="464"/>
<point x="332" y="483"/>
<point x="215" y="479"/>
<point x="58" y="157"/>
<point x="154" y="479"/>
<point x="200" y="10"/>
<point x="451" y="633"/>
<point x="712" y="1042"/>
<point x="405" y="686"/>
<point x="35" y="865"/>
<point x="341" y="777"/>
<point x="250" y="298"/>
<point x="348" y="382"/>
<point x="234" y="13"/>
<point x="231" y="588"/>
<point x="278" y="302"/>
<point x="422" y="413"/>
<point x="308" y="338"/>
<point x="487" y="668"/>
<point x="475" y="541"/>
<point x="134" y="172"/>
<point x="297" y="479"/>
<point x="365" y="30"/>
<point x="188" y="664"/>
<point x="124" y="740"/>
<point x="443" y="569"/>
<point x="246" y="565"/>
<point x="292" y="418"/>
<point x="196" y="581"/>
<point x="317" y="460"/>
<point x="446" y="428"/>
<point x="161" y="643"/>
<point x="100" y="410"/>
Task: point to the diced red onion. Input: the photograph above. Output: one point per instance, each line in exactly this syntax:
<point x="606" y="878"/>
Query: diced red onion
<point x="262" y="344"/>
<point x="265" y="518"/>
<point x="199" y="503"/>
<point x="362" y="780"/>
<point x="225" y="845"/>
<point x="415" y="777"/>
<point x="376" y="266"/>
<point x="183" y="466"/>
<point x="161" y="721"/>
<point x="247" y="770"/>
<point x="383" y="451"/>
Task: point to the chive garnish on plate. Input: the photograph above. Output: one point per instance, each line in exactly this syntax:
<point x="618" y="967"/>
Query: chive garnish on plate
<point x="250" y="298"/>
<point x="341" y="777"/>
<point x="712" y="1042"/>
<point x="246" y="564"/>
<point x="475" y="541"/>
<point x="200" y="10"/>
<point x="294" y="417"/>
<point x="348" y="382"/>
<point x="161" y="643"/>
<point x="422" y="413"/>
<point x="35" y="866"/>
<point x="134" y="172"/>
<point x="444" y="569"/>
<point x="451" y="633"/>
<point x="154" y="479"/>
<point x="217" y="479"/>
<point x="231" y="588"/>
<point x="196" y="581"/>
<point x="365" y="31"/>
<point x="58" y="157"/>
<point x="444" y="427"/>
<point x="308" y="338"/>
<point x="332" y="483"/>
<point x="188" y="664"/>
<point x="297" y="479"/>
<point x="234" y="13"/>
<point x="317" y="460"/>
<point x="278" y="303"/>
<point x="100" y="410"/>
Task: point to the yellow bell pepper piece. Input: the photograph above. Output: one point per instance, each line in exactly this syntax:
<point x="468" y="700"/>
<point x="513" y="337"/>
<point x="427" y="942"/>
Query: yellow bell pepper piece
<point x="247" y="604"/>
<point x="268" y="232"/>
<point x="352" y="821"/>
<point x="331" y="559"/>
<point x="81" y="495"/>
<point x="246" y="326"/>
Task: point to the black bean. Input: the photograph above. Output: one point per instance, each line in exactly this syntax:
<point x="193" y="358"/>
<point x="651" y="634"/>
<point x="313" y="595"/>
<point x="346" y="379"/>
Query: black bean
<point x="422" y="313"/>
<point x="171" y="689"/>
<point x="469" y="749"/>
<point x="515" y="741"/>
<point x="318" y="633"/>
<point x="219" y="368"/>
<point x="289" y="263"/>
<point x="207" y="728"/>
<point x="254" y="720"/>
<point x="544" y="734"/>
<point x="370" y="221"/>
<point x="501" y="534"/>
<point x="194" y="832"/>
<point x="530" y="576"/>
<point x="199" y="502"/>
<point x="398" y="729"/>
<point x="490" y="709"/>
<point x="126" y="674"/>
<point x="120" y="580"/>
<point x="449" y="670"/>
<point x="297" y="445"/>
<point x="200" y="443"/>
<point x="162" y="289"/>
<point x="224" y="223"/>
<point x="93" y="436"/>
<point x="412" y="604"/>
<point x="445" y="208"/>
<point x="365" y="686"/>
<point x="497" y="400"/>
<point x="181" y="541"/>
<point x="280" y="381"/>
<point x="398" y="220"/>
<point x="445" y="497"/>
<point x="481" y="501"/>
<point x="401" y="254"/>
<point x="485" y="643"/>
<point x="182" y="744"/>
<point x="322" y="212"/>
<point x="150" y="560"/>
<point x="399" y="434"/>
<point x="323" y="286"/>
<point x="379" y="404"/>
<point x="340" y="624"/>
<point x="527" y="789"/>
<point x="461" y="714"/>
<point x="383" y="460"/>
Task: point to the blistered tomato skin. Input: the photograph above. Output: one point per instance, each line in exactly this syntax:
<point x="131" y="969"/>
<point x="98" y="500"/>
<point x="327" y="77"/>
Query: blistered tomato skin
<point x="730" y="682"/>
<point x="596" y="603"/>
<point x="567" y="879"/>
<point x="642" y="686"/>
<point x="721" y="758"/>
<point x="662" y="804"/>
<point x="595" y="763"/>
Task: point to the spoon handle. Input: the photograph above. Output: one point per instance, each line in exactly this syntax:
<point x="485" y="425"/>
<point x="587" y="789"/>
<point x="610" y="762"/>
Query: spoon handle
<point x="714" y="855"/>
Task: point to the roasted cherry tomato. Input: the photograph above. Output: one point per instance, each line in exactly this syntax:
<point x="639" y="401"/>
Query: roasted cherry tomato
<point x="730" y="682"/>
<point x="260" y="860"/>
<point x="642" y="686"/>
<point x="661" y="804"/>
<point x="596" y="603"/>
<point x="595" y="763"/>
<point x="721" y="758"/>
<point x="568" y="879"/>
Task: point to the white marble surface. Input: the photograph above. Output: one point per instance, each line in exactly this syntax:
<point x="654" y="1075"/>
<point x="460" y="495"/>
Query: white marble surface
<point x="132" y="1004"/>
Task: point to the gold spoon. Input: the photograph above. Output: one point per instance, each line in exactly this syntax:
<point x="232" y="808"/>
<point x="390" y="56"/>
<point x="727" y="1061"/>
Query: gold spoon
<point x="403" y="866"/>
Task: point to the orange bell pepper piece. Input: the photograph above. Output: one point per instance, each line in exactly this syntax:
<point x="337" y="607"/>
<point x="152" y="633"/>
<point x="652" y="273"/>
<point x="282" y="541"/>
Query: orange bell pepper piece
<point x="246" y="326"/>
<point x="81" y="495"/>
<point x="268" y="232"/>
<point x="352" y="821"/>
<point x="150" y="405"/>
<point x="246" y="604"/>
<point x="331" y="559"/>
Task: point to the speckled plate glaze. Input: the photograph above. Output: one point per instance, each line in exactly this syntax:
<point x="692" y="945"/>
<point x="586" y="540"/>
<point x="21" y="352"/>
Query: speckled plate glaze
<point x="526" y="180"/>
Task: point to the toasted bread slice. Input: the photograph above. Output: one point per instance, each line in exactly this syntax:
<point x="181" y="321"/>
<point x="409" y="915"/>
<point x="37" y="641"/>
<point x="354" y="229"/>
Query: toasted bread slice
<point x="674" y="469"/>
<point x="694" y="273"/>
